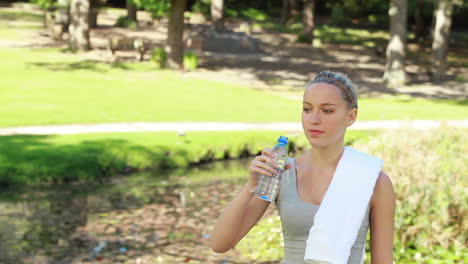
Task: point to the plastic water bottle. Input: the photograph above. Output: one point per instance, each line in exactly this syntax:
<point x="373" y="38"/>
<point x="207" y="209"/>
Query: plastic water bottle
<point x="268" y="186"/>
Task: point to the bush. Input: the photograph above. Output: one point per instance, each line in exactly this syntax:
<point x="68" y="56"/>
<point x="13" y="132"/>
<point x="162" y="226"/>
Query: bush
<point x="427" y="169"/>
<point x="159" y="57"/>
<point x="45" y="4"/>
<point x="123" y="21"/>
<point x="377" y="19"/>
<point x="190" y="61"/>
<point x="157" y="8"/>
<point x="302" y="38"/>
<point x="339" y="17"/>
<point x="203" y="7"/>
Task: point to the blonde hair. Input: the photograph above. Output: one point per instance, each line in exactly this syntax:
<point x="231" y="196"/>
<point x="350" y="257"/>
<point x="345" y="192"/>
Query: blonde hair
<point x="342" y="82"/>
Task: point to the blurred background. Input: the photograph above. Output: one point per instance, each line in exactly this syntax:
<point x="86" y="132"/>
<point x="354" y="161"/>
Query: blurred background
<point x="128" y="125"/>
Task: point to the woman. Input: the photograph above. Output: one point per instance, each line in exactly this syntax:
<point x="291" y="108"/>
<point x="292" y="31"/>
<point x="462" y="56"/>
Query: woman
<point x="329" y="107"/>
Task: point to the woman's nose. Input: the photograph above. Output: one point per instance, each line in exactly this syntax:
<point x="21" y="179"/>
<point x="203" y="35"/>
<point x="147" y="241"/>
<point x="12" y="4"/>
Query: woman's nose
<point x="315" y="118"/>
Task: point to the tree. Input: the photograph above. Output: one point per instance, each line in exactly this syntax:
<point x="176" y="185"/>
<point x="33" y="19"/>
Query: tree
<point x="284" y="11"/>
<point x="419" y="20"/>
<point x="79" y="25"/>
<point x="308" y="19"/>
<point x="441" y="38"/>
<point x="217" y="10"/>
<point x="131" y="11"/>
<point x="174" y="46"/>
<point x="396" y="49"/>
<point x="288" y="11"/>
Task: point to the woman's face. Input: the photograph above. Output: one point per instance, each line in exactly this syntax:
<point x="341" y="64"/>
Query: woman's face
<point x="325" y="110"/>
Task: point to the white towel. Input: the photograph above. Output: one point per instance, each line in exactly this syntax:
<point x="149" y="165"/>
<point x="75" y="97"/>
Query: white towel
<point x="340" y="215"/>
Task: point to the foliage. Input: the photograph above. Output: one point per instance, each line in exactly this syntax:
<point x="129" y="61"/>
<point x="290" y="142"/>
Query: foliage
<point x="157" y="8"/>
<point x="124" y="21"/>
<point x="360" y="8"/>
<point x="427" y="169"/>
<point x="159" y="57"/>
<point x="190" y="61"/>
<point x="203" y="7"/>
<point x="264" y="242"/>
<point x="254" y="14"/>
<point x="338" y="16"/>
<point x="45" y="4"/>
<point x="303" y="38"/>
<point x="251" y="14"/>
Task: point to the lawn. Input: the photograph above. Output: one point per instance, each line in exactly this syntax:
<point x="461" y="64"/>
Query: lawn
<point x="49" y="86"/>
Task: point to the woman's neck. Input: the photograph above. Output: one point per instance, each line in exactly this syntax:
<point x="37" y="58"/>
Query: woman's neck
<point x="325" y="158"/>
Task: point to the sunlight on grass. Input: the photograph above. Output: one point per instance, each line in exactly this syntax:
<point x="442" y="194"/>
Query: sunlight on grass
<point x="16" y="15"/>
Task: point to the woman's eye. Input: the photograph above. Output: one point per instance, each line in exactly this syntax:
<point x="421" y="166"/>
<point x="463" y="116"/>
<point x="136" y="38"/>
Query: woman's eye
<point x="328" y="111"/>
<point x="306" y="109"/>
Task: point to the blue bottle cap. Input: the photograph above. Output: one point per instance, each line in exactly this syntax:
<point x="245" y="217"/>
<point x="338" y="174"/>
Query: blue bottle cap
<point x="283" y="140"/>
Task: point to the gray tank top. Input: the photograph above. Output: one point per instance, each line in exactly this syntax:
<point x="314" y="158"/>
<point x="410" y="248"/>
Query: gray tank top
<point x="297" y="217"/>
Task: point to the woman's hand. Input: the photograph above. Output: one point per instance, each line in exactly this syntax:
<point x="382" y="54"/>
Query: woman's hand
<point x="263" y="164"/>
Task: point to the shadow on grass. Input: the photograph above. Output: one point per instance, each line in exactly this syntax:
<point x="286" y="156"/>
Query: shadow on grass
<point x="91" y="65"/>
<point x="31" y="159"/>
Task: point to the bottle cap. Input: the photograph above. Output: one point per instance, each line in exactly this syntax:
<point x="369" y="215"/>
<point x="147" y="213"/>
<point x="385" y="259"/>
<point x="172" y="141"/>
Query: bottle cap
<point x="283" y="140"/>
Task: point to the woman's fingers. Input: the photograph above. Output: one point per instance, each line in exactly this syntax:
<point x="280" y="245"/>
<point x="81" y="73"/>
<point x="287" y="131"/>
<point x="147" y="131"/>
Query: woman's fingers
<point x="264" y="164"/>
<point x="268" y="152"/>
<point x="267" y="159"/>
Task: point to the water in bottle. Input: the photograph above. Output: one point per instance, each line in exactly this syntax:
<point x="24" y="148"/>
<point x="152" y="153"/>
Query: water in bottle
<point x="268" y="186"/>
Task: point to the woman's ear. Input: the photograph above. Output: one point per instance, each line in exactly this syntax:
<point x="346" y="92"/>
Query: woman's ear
<point x="352" y="116"/>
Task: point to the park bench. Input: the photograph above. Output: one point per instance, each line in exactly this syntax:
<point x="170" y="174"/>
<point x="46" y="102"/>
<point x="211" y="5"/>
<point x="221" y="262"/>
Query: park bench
<point x="126" y="44"/>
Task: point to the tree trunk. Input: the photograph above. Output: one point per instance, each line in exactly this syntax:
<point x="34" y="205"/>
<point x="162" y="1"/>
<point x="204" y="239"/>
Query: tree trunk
<point x="293" y="7"/>
<point x="396" y="49"/>
<point x="131" y="11"/>
<point x="419" y="21"/>
<point x="308" y="19"/>
<point x="441" y="38"/>
<point x="217" y="11"/>
<point x="79" y="25"/>
<point x="285" y="14"/>
<point x="174" y="47"/>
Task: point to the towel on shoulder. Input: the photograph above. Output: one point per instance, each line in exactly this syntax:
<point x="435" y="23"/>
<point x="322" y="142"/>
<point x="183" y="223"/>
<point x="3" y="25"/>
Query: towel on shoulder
<point x="340" y="215"/>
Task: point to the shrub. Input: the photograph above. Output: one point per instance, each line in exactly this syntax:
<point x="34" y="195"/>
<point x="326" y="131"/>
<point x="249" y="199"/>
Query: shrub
<point x="159" y="57"/>
<point x="339" y="17"/>
<point x="427" y="169"/>
<point x="190" y="61"/>
<point x="123" y="21"/>
<point x="302" y="38"/>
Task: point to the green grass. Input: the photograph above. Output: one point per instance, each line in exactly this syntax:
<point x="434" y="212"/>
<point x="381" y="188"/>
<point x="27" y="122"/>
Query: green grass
<point x="45" y="86"/>
<point x="16" y="34"/>
<point x="23" y="15"/>
<point x="34" y="159"/>
<point x="23" y="23"/>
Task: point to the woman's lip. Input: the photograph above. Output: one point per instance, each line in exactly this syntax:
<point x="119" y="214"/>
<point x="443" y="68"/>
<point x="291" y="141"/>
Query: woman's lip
<point x="314" y="132"/>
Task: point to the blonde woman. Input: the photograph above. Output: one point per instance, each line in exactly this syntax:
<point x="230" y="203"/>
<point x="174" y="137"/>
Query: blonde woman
<point x="329" y="107"/>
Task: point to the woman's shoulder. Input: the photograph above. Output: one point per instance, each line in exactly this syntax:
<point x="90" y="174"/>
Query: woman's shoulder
<point x="383" y="190"/>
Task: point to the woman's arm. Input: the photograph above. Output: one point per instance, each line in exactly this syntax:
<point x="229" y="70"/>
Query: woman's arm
<point x="245" y="210"/>
<point x="237" y="219"/>
<point x="383" y="205"/>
